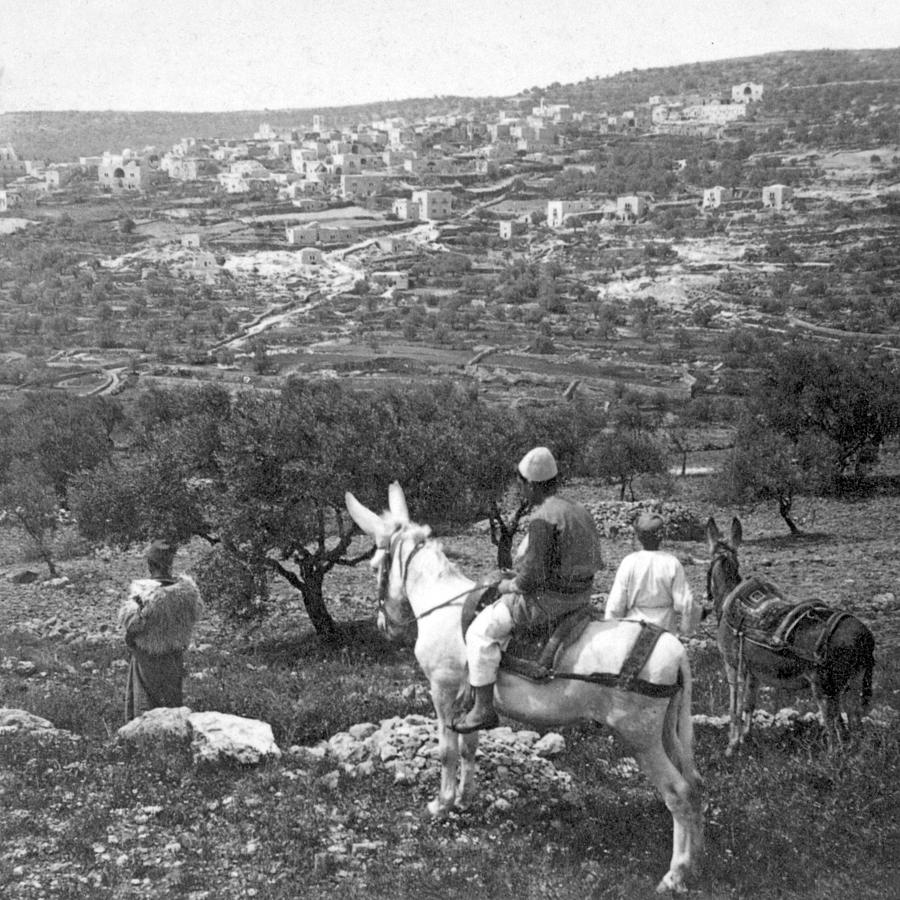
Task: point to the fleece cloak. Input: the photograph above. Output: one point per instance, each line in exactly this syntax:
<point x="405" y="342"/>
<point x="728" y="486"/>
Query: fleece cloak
<point x="158" y="618"/>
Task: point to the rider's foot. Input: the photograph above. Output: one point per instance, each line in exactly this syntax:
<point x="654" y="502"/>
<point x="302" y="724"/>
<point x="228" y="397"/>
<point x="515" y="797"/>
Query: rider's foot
<point x="482" y="715"/>
<point x="471" y="722"/>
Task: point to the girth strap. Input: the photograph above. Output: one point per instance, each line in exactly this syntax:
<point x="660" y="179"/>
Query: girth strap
<point x="793" y="618"/>
<point x="831" y="625"/>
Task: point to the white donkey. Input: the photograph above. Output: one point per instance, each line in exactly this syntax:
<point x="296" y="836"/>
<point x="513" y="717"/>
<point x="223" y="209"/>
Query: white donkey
<point x="419" y="586"/>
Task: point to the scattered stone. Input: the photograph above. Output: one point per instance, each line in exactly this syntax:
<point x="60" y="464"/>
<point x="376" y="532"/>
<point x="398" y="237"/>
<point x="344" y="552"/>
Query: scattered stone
<point x="550" y="745"/>
<point x="615" y="518"/>
<point x="218" y="736"/>
<point x="20" y="719"/>
<point x="408" y="747"/>
<point x="62" y="581"/>
<point x="158" y="724"/>
<point x="883" y="716"/>
<point x="884" y="602"/>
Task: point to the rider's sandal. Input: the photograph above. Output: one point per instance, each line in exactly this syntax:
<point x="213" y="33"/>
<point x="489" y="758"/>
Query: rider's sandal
<point x="490" y="721"/>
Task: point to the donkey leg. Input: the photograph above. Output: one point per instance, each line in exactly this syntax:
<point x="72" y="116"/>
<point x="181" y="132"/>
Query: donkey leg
<point x="734" y="722"/>
<point x="684" y="803"/>
<point x="852" y="700"/>
<point x="830" y="710"/>
<point x="465" y="790"/>
<point x="751" y="686"/>
<point x="448" y="749"/>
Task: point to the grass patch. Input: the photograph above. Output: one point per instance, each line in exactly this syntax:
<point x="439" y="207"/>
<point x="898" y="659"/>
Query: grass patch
<point x="94" y="818"/>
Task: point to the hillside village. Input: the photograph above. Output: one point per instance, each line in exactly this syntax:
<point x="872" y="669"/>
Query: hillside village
<point x="536" y="248"/>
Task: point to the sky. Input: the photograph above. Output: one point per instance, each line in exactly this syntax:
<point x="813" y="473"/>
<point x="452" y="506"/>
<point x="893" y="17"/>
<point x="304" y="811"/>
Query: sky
<point x="218" y="55"/>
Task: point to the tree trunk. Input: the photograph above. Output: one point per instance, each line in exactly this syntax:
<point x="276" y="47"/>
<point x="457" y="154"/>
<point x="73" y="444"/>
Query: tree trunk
<point x="311" y="591"/>
<point x="48" y="559"/>
<point x="309" y="583"/>
<point x="784" y="509"/>
<point x="502" y="534"/>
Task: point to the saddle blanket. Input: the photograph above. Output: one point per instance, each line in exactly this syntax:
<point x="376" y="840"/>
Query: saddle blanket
<point x="759" y="609"/>
<point x="539" y="644"/>
<point x="533" y="653"/>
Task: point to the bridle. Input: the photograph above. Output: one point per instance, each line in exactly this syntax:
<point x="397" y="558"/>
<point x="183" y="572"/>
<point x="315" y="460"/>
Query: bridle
<point x="725" y="556"/>
<point x="384" y="579"/>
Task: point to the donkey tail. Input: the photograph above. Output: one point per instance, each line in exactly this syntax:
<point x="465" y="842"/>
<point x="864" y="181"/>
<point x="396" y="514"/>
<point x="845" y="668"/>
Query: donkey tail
<point x="865" y="693"/>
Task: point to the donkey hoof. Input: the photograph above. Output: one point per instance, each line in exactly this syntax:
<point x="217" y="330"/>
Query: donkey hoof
<point x="671" y="884"/>
<point x="438" y="810"/>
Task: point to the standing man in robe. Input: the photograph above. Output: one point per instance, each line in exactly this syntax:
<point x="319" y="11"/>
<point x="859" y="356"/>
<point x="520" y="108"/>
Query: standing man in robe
<point x="650" y="583"/>
<point x="158" y="619"/>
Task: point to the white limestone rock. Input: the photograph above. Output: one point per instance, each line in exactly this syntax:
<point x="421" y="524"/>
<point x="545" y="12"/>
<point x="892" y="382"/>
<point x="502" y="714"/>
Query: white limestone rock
<point x="157" y="724"/>
<point x="220" y="736"/>
<point x="22" y="720"/>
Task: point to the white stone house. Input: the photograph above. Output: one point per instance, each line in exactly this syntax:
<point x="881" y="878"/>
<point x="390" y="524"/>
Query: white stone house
<point x="404" y="208"/>
<point x="630" y="207"/>
<point x="433" y="204"/>
<point x="714" y="197"/>
<point x="559" y="210"/>
<point x="311" y="256"/>
<point x="509" y="228"/>
<point x="128" y="175"/>
<point x="233" y="182"/>
<point x="361" y="185"/>
<point x="776" y="196"/>
<point x="204" y="263"/>
<point x="748" y="92"/>
<point x="302" y="234"/>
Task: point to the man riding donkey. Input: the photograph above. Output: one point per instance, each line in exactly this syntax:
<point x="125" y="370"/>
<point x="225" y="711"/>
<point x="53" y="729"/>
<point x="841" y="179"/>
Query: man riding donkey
<point x="553" y="576"/>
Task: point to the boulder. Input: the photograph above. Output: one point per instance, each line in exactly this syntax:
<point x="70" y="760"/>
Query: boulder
<point x="551" y="744"/>
<point x="158" y="724"/>
<point x="22" y="720"/>
<point x="23" y="576"/>
<point x="220" y="736"/>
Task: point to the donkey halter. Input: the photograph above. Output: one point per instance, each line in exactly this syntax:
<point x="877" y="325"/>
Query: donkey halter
<point x="385" y="577"/>
<point x="723" y="554"/>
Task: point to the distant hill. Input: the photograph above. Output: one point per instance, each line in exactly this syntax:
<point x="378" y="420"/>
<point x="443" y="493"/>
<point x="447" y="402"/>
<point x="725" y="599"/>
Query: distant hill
<point x="60" y="136"/>
<point x="780" y="71"/>
<point x="66" y="135"/>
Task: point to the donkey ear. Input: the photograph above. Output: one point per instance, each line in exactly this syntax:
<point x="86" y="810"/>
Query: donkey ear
<point x="713" y="535"/>
<point x="370" y="523"/>
<point x="397" y="503"/>
<point x="737" y="532"/>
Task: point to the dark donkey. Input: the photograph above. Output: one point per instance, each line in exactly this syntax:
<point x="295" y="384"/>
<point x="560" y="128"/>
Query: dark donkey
<point x="763" y="637"/>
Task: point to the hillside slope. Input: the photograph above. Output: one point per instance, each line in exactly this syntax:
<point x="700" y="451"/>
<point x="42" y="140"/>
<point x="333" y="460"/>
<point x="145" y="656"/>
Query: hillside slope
<point x="64" y="135"/>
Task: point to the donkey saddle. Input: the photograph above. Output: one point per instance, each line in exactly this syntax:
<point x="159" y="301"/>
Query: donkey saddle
<point x="759" y="611"/>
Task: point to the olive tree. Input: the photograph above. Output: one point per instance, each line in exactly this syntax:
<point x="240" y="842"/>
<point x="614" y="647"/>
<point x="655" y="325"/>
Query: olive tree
<point x="267" y="482"/>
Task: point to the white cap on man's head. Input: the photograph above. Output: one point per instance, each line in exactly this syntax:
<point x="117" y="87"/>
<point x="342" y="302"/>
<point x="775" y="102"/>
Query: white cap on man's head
<point x="538" y="464"/>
